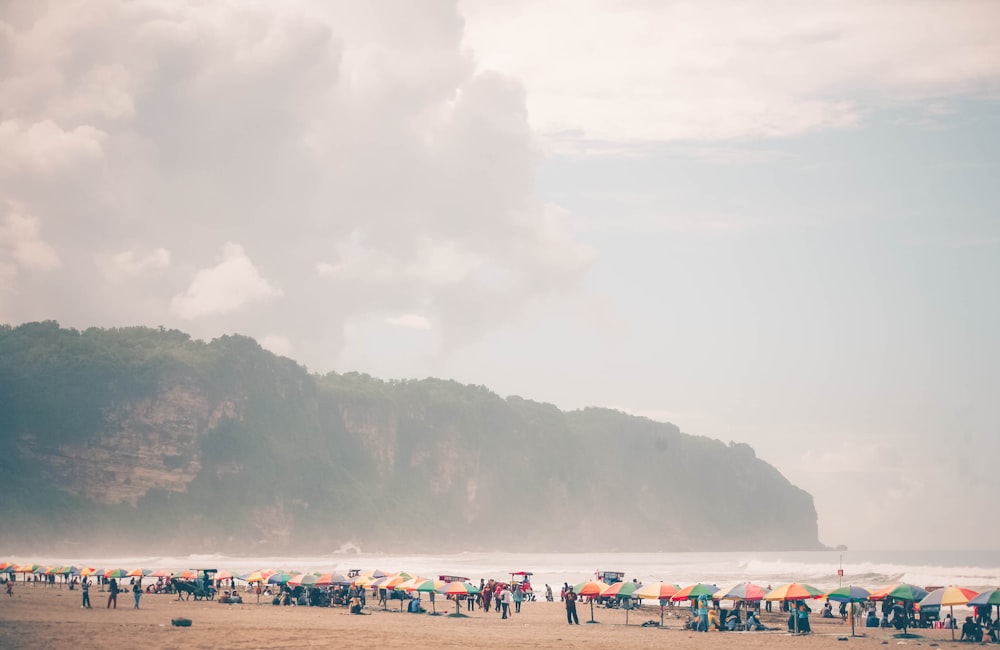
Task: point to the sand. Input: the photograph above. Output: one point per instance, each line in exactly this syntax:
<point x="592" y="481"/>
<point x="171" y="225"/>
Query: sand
<point x="49" y="617"/>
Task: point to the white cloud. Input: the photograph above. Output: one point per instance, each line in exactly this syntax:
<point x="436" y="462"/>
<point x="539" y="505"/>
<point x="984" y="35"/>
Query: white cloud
<point x="224" y="288"/>
<point x="411" y="321"/>
<point x="129" y="265"/>
<point x="606" y="73"/>
<point x="22" y="246"/>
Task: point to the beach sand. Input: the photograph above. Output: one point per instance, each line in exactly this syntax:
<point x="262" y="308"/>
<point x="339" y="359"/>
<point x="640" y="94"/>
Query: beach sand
<point x="49" y="617"/>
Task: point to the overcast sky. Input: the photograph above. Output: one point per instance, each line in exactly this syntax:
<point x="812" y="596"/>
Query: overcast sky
<point x="770" y="222"/>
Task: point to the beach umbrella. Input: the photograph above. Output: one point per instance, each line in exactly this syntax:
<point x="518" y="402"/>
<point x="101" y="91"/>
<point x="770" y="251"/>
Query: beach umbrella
<point x="591" y="589"/>
<point x="187" y="574"/>
<point x="279" y="578"/>
<point x="661" y="591"/>
<point x="740" y="591"/>
<point x="326" y="579"/>
<point x="430" y="587"/>
<point x="161" y="573"/>
<point x="849" y="594"/>
<point x="794" y="591"/>
<point x="948" y="596"/>
<point x="987" y="598"/>
<point x="115" y="573"/>
<point x="138" y="573"/>
<point x="907" y="592"/>
<point x="695" y="591"/>
<point x="880" y="594"/>
<point x="303" y="580"/>
<point x="458" y="590"/>
<point x="622" y="590"/>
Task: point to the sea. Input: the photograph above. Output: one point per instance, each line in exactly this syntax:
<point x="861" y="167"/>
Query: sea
<point x="974" y="569"/>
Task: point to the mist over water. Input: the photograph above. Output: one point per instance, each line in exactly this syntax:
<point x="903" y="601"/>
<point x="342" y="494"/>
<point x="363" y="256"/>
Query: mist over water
<point x="973" y="569"/>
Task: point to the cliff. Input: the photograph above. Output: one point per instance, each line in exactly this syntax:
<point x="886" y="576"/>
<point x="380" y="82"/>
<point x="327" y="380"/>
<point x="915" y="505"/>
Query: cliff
<point x="140" y="436"/>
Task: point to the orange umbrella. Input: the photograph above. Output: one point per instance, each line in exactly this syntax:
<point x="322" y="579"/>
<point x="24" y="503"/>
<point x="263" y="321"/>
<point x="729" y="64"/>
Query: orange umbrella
<point x="591" y="589"/>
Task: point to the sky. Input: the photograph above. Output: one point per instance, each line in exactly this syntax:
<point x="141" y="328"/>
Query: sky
<point x="775" y="223"/>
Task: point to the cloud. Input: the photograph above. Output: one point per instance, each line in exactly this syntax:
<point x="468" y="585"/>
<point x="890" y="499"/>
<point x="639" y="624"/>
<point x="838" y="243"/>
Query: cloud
<point x="609" y="73"/>
<point x="227" y="287"/>
<point x="128" y="265"/>
<point x="411" y="321"/>
<point x="356" y="150"/>
<point x="21" y="245"/>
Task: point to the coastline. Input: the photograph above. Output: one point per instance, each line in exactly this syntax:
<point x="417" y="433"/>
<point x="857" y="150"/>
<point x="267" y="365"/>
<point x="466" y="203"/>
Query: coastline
<point x="52" y="617"/>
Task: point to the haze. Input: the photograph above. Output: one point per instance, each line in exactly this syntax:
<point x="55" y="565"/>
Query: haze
<point x="770" y="222"/>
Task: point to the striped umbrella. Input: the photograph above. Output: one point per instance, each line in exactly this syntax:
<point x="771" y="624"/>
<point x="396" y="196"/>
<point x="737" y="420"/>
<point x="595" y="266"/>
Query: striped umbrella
<point x="741" y="591"/>
<point x="849" y="594"/>
<point x="459" y="589"/>
<point x="661" y="591"/>
<point x="695" y="591"/>
<point x="948" y="597"/>
<point x="621" y="590"/>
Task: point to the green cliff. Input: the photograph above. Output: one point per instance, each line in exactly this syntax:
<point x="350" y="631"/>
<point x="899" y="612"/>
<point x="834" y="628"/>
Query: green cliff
<point x="114" y="438"/>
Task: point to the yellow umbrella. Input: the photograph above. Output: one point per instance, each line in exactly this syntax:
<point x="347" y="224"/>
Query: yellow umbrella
<point x="591" y="589"/>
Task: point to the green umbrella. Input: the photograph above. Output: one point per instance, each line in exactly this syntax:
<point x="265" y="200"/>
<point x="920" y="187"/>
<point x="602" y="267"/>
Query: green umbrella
<point x="622" y="590"/>
<point x="849" y="594"/>
<point x="908" y="593"/>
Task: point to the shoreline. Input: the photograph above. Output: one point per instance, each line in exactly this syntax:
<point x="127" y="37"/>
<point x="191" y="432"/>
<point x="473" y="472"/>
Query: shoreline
<point x="39" y="616"/>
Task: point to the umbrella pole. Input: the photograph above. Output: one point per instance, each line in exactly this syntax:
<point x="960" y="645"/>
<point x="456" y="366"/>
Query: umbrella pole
<point x="661" y="612"/>
<point x="952" y="607"/>
<point x="591" y="599"/>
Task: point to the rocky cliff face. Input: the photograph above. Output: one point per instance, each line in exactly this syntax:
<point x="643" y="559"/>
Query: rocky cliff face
<point x="224" y="443"/>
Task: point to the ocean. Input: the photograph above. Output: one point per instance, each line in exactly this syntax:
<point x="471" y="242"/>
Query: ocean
<point x="978" y="570"/>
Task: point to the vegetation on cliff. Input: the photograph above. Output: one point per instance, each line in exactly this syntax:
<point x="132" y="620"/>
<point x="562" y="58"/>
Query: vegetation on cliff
<point x="124" y="436"/>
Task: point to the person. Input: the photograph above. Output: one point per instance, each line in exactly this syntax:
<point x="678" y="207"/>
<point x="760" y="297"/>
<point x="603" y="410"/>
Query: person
<point x="570" y="599"/>
<point x="10" y="588"/>
<point x="827" y="610"/>
<point x="548" y="593"/>
<point x="803" y="614"/>
<point x="355" y="604"/>
<point x="753" y="621"/>
<point x="843" y="610"/>
<point x="872" y="619"/>
<point x="506" y="598"/>
<point x="767" y="603"/>
<point x="113" y="593"/>
<point x="518" y="597"/>
<point x="971" y="631"/>
<point x="136" y="593"/>
<point x="733" y="621"/>
<point x="85" y="589"/>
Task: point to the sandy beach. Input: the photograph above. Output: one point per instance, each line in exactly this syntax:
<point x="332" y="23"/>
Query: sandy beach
<point x="49" y="617"/>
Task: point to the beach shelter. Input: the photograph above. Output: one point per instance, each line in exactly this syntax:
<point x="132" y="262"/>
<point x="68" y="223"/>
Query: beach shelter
<point x="907" y="593"/>
<point x="591" y="589"/>
<point x="695" y="591"/>
<point x="740" y="591"/>
<point x="431" y="587"/>
<point x="849" y="594"/>
<point x="949" y="597"/>
<point x="624" y="590"/>
<point x="459" y="590"/>
<point x="661" y="591"/>
<point x="987" y="598"/>
<point x="794" y="591"/>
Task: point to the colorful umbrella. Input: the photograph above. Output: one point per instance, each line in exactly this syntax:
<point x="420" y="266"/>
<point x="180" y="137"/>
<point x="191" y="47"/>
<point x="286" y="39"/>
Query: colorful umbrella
<point x="621" y="590"/>
<point x="661" y="591"/>
<point x="794" y="591"/>
<point x="881" y="594"/>
<point x="458" y="589"/>
<point x="948" y="596"/>
<point x="591" y="589"/>
<point x="907" y="592"/>
<point x="740" y="591"/>
<point x="279" y="578"/>
<point x="429" y="587"/>
<point x="986" y="598"/>
<point x="849" y="594"/>
<point x="115" y="573"/>
<point x="694" y="591"/>
<point x="326" y="579"/>
<point x="138" y="573"/>
<point x="305" y="579"/>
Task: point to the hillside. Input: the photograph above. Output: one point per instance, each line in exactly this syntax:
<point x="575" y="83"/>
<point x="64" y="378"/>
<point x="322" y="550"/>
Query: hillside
<point x="119" y="437"/>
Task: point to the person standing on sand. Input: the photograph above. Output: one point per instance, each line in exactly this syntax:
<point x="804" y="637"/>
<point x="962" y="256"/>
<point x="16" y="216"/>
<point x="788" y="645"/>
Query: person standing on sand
<point x="506" y="598"/>
<point x="136" y="593"/>
<point x="518" y="597"/>
<point x="570" y="599"/>
<point x="767" y="603"/>
<point x="113" y="593"/>
<point x="85" y="588"/>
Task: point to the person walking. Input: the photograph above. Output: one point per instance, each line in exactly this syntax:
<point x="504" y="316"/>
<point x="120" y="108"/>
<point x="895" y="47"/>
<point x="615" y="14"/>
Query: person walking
<point x="85" y="588"/>
<point x="570" y="599"/>
<point x="113" y="593"/>
<point x="506" y="597"/>
<point x="137" y="593"/>
<point x="518" y="597"/>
